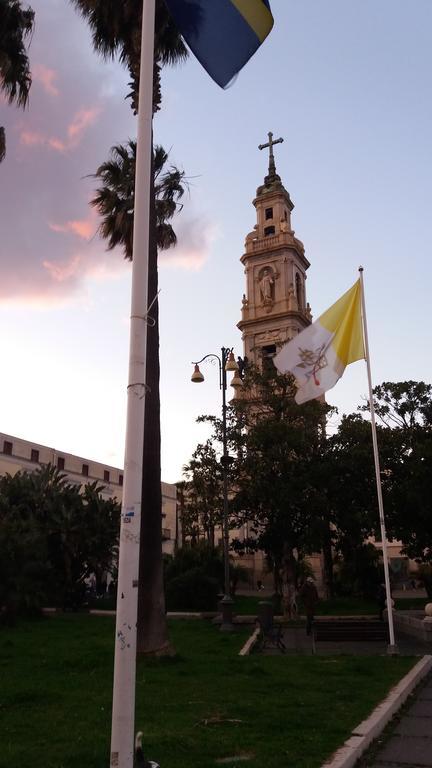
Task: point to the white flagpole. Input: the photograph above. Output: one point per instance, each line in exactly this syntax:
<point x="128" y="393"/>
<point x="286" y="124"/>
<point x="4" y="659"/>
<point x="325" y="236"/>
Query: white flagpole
<point x="123" y="708"/>
<point x="392" y="648"/>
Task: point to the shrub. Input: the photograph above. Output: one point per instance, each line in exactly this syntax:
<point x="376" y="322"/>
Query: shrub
<point x="192" y="590"/>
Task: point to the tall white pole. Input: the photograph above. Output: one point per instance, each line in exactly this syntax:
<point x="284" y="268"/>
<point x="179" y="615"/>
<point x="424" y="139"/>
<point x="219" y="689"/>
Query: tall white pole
<point x="123" y="709"/>
<point x="392" y="646"/>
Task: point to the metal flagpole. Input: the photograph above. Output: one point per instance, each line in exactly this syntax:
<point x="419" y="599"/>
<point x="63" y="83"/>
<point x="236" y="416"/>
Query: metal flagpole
<point x="123" y="708"/>
<point x="392" y="648"/>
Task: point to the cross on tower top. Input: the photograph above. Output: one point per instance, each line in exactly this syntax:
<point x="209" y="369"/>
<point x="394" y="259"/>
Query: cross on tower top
<point x="270" y="144"/>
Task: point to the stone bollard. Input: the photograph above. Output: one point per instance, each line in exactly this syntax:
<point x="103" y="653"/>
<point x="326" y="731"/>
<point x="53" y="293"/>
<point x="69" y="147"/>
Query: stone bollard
<point x="265" y="613"/>
<point x="227" y="614"/>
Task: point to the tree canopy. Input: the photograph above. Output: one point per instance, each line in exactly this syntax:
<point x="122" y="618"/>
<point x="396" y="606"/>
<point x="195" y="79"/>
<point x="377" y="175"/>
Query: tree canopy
<point x="52" y="537"/>
<point x="297" y="490"/>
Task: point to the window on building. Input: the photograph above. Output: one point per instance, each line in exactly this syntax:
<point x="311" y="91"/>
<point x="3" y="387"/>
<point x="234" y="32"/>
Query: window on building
<point x="268" y="213"/>
<point x="85" y="470"/>
<point x="269" y="231"/>
<point x="106" y="475"/>
<point x="60" y="462"/>
<point x="34" y="455"/>
<point x="7" y="447"/>
<point x="120" y="479"/>
<point x="268" y="354"/>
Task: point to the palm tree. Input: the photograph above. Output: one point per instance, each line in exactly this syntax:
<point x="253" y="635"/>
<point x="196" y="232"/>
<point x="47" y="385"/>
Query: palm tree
<point x="114" y="200"/>
<point x="16" y="24"/>
<point x="116" y="29"/>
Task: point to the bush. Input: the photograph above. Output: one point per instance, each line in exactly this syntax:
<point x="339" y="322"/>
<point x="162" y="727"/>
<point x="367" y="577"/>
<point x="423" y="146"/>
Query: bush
<point x="360" y="573"/>
<point x="192" y="590"/>
<point x="425" y="575"/>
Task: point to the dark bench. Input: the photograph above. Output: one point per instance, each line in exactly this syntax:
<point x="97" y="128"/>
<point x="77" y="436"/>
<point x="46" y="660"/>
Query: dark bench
<point x="270" y="635"/>
<point x="345" y="630"/>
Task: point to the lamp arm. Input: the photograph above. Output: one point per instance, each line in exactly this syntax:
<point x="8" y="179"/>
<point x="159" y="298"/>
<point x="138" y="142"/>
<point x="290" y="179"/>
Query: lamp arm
<point x="211" y="354"/>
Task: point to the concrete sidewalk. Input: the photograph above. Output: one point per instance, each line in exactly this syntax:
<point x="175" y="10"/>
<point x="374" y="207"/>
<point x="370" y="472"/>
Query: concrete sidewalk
<point x="409" y="742"/>
<point x="297" y="642"/>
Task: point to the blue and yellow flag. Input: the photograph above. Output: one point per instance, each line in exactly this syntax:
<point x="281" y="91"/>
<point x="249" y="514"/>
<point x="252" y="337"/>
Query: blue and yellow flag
<point x="223" y="34"/>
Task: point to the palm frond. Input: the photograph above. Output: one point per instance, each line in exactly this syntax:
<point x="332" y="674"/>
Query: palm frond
<point x="16" y="24"/>
<point x="114" y="199"/>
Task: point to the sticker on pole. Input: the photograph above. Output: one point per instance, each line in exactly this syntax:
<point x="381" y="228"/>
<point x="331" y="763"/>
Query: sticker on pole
<point x="129" y="514"/>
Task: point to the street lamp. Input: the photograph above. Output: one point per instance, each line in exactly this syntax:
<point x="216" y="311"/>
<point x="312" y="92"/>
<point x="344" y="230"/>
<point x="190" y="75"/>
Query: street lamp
<point x="227" y="363"/>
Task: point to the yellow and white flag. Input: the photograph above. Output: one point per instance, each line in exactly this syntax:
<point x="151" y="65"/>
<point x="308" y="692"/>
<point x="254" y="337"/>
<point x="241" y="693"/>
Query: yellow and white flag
<point x="318" y="356"/>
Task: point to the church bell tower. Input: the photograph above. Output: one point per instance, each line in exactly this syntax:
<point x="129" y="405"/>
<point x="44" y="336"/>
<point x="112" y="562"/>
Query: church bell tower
<point x="274" y="307"/>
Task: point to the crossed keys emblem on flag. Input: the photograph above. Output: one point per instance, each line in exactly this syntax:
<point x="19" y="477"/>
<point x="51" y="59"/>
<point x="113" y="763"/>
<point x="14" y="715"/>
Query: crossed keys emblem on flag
<point x="312" y="360"/>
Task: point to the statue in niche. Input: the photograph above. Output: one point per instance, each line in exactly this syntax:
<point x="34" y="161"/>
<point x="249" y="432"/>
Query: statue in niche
<point x="284" y="223"/>
<point x="266" y="285"/>
<point x="292" y="300"/>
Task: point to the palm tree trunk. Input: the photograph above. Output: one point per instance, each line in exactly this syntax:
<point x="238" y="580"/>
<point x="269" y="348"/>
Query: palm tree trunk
<point x="152" y="631"/>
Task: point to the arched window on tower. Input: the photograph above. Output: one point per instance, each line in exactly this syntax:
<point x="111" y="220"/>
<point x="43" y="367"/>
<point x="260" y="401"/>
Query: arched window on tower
<point x="299" y="291"/>
<point x="268" y="354"/>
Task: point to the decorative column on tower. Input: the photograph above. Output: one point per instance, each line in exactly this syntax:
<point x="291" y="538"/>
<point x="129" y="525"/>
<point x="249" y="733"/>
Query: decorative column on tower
<point x="274" y="307"/>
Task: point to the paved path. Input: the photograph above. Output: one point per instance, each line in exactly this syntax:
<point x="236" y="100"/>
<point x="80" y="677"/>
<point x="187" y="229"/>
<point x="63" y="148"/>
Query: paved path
<point x="297" y="642"/>
<point x="409" y="744"/>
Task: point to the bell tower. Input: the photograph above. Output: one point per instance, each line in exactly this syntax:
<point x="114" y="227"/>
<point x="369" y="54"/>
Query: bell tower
<point x="274" y="307"/>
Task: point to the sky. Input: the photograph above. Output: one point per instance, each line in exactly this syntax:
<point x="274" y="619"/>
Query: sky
<point x="348" y="87"/>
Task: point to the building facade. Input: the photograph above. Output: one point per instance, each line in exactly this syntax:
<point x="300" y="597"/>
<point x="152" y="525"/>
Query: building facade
<point x="18" y="454"/>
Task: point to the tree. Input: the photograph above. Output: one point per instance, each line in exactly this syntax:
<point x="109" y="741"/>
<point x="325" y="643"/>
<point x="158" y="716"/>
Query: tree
<point x="24" y="567"/>
<point x="16" y="25"/>
<point x="404" y="405"/>
<point x="405" y="408"/>
<point x="116" y="28"/>
<point x="276" y="443"/>
<point x="204" y="492"/>
<point x="52" y="537"/>
<point x="114" y="200"/>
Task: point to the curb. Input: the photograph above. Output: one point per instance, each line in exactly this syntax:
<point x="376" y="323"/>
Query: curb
<point x="363" y="735"/>
<point x="250" y="642"/>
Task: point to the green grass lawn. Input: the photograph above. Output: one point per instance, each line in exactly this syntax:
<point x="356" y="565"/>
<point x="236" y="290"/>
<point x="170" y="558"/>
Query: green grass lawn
<point x="337" y="606"/>
<point x="247" y="605"/>
<point x="56" y="687"/>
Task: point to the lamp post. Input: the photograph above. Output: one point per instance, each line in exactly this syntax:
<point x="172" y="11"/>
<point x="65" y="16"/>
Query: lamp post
<point x="226" y="363"/>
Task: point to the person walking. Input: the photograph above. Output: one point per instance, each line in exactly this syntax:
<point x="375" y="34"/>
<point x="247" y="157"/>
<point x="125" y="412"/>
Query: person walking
<point x="309" y="597"/>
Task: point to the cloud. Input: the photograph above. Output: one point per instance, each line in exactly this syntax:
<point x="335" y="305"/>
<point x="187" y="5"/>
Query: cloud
<point x="61" y="278"/>
<point x="32" y="138"/>
<point x="60" y="272"/>
<point x="195" y="236"/>
<point x="46" y="77"/>
<point x="75" y="131"/>
<point x="50" y="251"/>
<point x="82" y="120"/>
<point x="84" y="228"/>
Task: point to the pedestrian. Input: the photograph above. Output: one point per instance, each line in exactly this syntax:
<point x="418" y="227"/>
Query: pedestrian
<point x="309" y="598"/>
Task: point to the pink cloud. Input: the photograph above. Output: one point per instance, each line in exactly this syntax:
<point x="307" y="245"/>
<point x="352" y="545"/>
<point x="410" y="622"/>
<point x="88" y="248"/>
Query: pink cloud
<point x="195" y="237"/>
<point x="57" y="144"/>
<point x="32" y="138"/>
<point x="63" y="271"/>
<point x="84" y="228"/>
<point x="82" y="120"/>
<point x="59" y="281"/>
<point x="46" y="78"/>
